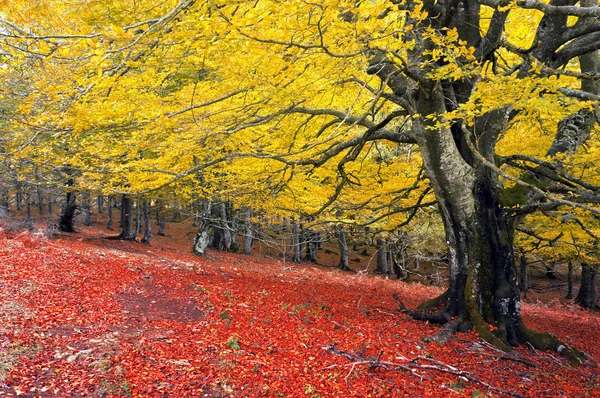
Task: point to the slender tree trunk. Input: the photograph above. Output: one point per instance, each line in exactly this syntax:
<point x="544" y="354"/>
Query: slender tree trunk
<point x="127" y="232"/>
<point x="570" y="281"/>
<point x="18" y="197"/>
<point x="524" y="280"/>
<point x="86" y="207"/>
<point x="40" y="200"/>
<point x="343" y="245"/>
<point x="138" y="217"/>
<point x="382" y="259"/>
<point x="4" y="200"/>
<point x="100" y="204"/>
<point x="49" y="205"/>
<point x="160" y="218"/>
<point x="297" y="256"/>
<point x="248" y="235"/>
<point x="28" y="219"/>
<point x="147" y="226"/>
<point x="587" y="291"/>
<point x="109" y="214"/>
<point x="225" y="226"/>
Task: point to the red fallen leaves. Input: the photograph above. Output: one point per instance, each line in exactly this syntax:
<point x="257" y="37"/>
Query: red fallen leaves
<point x="106" y="318"/>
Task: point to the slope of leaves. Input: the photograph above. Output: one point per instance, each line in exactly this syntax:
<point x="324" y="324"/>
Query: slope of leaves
<point x="90" y="317"/>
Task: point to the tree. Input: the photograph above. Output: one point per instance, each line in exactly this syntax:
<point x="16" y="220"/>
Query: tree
<point x="376" y="106"/>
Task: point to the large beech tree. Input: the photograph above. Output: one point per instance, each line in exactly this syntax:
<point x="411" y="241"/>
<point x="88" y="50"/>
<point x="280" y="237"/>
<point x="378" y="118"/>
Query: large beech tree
<point x="375" y="106"/>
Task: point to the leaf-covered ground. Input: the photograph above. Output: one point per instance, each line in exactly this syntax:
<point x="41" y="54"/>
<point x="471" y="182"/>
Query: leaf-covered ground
<point x="82" y="316"/>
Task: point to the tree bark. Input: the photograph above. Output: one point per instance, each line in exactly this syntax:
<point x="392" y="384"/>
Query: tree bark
<point x="86" y="207"/>
<point x="297" y="250"/>
<point x="382" y="258"/>
<point x="100" y="204"/>
<point x="138" y="217"/>
<point x="343" y="245"/>
<point x="587" y="291"/>
<point x="570" y="281"/>
<point x="147" y="226"/>
<point x="28" y="219"/>
<point x="4" y="203"/>
<point x="67" y="215"/>
<point x="248" y="234"/>
<point x="127" y="231"/>
<point x="202" y="238"/>
<point x="524" y="281"/>
<point x="109" y="214"/>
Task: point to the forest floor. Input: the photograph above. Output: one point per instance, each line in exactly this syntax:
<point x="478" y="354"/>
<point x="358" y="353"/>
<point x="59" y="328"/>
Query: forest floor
<point x="83" y="316"/>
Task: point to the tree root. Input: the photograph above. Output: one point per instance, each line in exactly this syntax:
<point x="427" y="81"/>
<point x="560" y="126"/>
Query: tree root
<point x="444" y="335"/>
<point x="546" y="341"/>
<point x="412" y="366"/>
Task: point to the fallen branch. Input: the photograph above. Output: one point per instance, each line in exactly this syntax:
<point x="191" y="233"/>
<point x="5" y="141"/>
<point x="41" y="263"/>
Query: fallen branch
<point x="412" y="366"/>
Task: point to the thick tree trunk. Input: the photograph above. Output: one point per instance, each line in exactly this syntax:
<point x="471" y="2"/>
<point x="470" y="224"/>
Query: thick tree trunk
<point x="147" y="226"/>
<point x="67" y="215"/>
<point x="587" y="291"/>
<point x="127" y="232"/>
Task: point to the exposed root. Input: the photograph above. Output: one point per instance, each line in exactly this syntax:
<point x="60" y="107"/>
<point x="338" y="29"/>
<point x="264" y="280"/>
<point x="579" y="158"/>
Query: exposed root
<point x="434" y="303"/>
<point x="546" y="341"/>
<point x="444" y="335"/>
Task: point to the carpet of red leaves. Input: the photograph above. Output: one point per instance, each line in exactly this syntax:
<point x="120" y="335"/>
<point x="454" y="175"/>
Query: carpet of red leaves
<point x="81" y="316"/>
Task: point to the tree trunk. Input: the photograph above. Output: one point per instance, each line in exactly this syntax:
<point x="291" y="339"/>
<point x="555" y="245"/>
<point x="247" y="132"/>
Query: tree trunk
<point x="50" y="200"/>
<point x="248" y="235"/>
<point x="570" y="281"/>
<point x="67" y="215"/>
<point x="109" y="214"/>
<point x="587" y="291"/>
<point x="40" y="200"/>
<point x="310" y="240"/>
<point x="127" y="232"/>
<point x="202" y="239"/>
<point x="147" y="226"/>
<point x="4" y="203"/>
<point x="138" y="217"/>
<point x="28" y="219"/>
<point x="160" y="218"/>
<point x="100" y="204"/>
<point x="524" y="281"/>
<point x="382" y="258"/>
<point x="86" y="207"/>
<point x="343" y="244"/>
<point x="18" y="198"/>
<point x="297" y="250"/>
